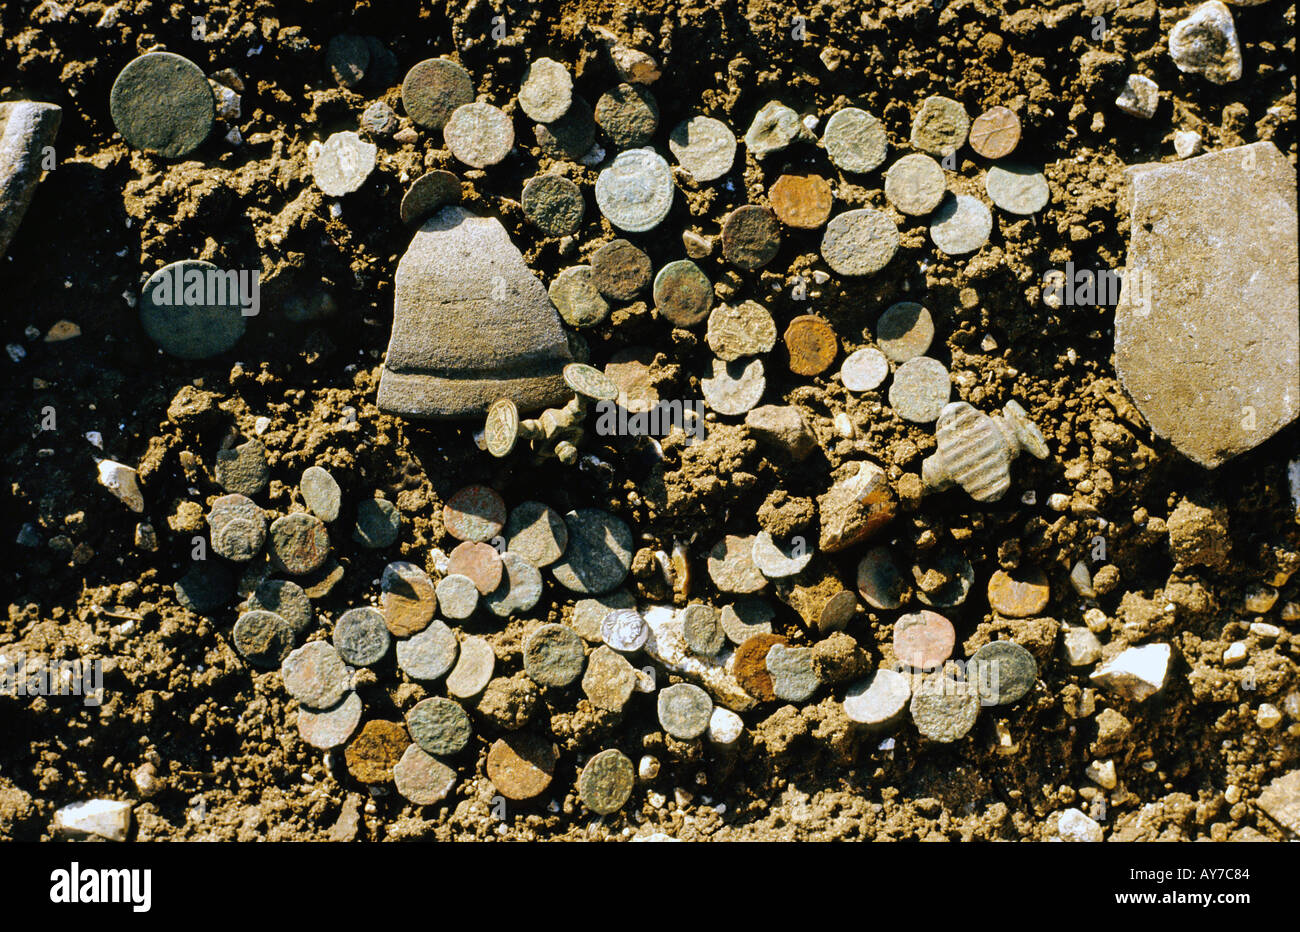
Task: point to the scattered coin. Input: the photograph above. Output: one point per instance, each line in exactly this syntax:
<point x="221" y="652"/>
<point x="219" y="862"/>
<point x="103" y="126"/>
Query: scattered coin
<point x="940" y="126"/>
<point x="735" y="386"/>
<point x="878" y="699"/>
<point x="1003" y="672"/>
<point x="328" y="728"/>
<point x="905" y="331"/>
<point x="429" y="654"/>
<point x="864" y="370"/>
<point x="702" y="629"/>
<point x="439" y="726"/>
<point x="378" y="119"/>
<point x="751" y="237"/>
<point x="161" y="102"/>
<point x="458" y="595"/>
<point x="521" y="765"/>
<point x="372" y="754"/>
<point x="262" y="637"/>
<point x="298" y="543"/>
<point x="749" y="664"/>
<point x="954" y="576"/>
<point x="915" y="184"/>
<point x="342" y="163"/>
<point x="860" y="242"/>
<point x="635" y="192"/>
<point x="620" y="270"/>
<point x="433" y="89"/>
<point x="605" y="784"/>
<point x="880" y="583"/>
<point x="683" y="293"/>
<point x="361" y="636"/>
<point x="1021" y="596"/>
<point x="744" y="329"/>
<point x="944" y="709"/>
<point x="314" y="674"/>
<point x="421" y="778"/>
<point x="546" y="91"/>
<point x="379" y="523"/>
<point x="589" y="614"/>
<point x="801" y="201"/>
<point x="923" y="639"/>
<point x="624" y="630"/>
<point x="855" y="140"/>
<point x="238" y="527"/>
<point x="321" y="582"/>
<point x="609" y="680"/>
<point x="599" y="552"/>
<point x="962" y="224"/>
<point x="590" y="382"/>
<point x="575" y="295"/>
<point x="553" y="204"/>
<point x="473" y="669"/>
<point x="792" y="673"/>
<point x="775" y="563"/>
<point x="537" y="533"/>
<point x="501" y="429"/>
<point x="479" y="562"/>
<point x="811" y="343"/>
<point x="553" y="655"/>
<point x="479" y="134"/>
<point x="920" y="389"/>
<point x="427" y="194"/>
<point x="629" y="115"/>
<point x="183" y="329"/>
<point x="705" y="147"/>
<point x="519" y="590"/>
<point x="286" y="599"/>
<point x="775" y="126"/>
<point x="995" y="132"/>
<point x="243" y="469"/>
<point x="205" y="587"/>
<point x="347" y="57"/>
<point x="474" y="512"/>
<point x="731" y="566"/>
<point x="1017" y="189"/>
<point x="320" y="493"/>
<point x="837" y="611"/>
<point x="572" y="135"/>
<point x="684" y="711"/>
<point x="745" y="618"/>
<point x="408" y="599"/>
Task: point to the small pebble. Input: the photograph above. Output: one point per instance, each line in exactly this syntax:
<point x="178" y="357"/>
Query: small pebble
<point x="879" y="698"/>
<point x="1187" y="143"/>
<point x="478" y="561"/>
<point x="1003" y="672"/>
<point x="379" y="524"/>
<point x="735" y="386"/>
<point x="610" y="679"/>
<point x="791" y="669"/>
<point x="620" y="270"/>
<point x="263" y="638"/>
<point x="635" y="192"/>
<point x="1205" y="42"/>
<point x="624" y="630"/>
<point x="342" y="163"/>
<point x="479" y="134"/>
<point x="439" y="726"/>
<point x="962" y="224"/>
<point x="421" y="778"/>
<point x="705" y="147"/>
<point x="1140" y="97"/>
<point x="298" y="543"/>
<point x="1082" y="648"/>
<point x="433" y="89"/>
<point x="811" y="345"/>
<point x="855" y="140"/>
<point x="864" y="370"/>
<point x="320" y="493"/>
<point x="599" y="553"/>
<point x="519" y="590"/>
<point x="575" y="295"/>
<point x="751" y="236"/>
<point x="940" y="126"/>
<point x="521" y="765"/>
<point x="943" y="709"/>
<point x="1017" y="189"/>
<point x="606" y="783"/>
<point x="682" y="293"/>
<point x="920" y="389"/>
<point x="905" y="331"/>
<point x="629" y="115"/>
<point x="995" y="133"/>
<point x="378" y="119"/>
<point x="553" y="655"/>
<point x="725" y="727"/>
<point x="1021" y="596"/>
<point x="915" y="184"/>
<point x="860" y="242"/>
<point x="702" y="629"/>
<point x="314" y="674"/>
<point x="546" y="91"/>
<point x="801" y="201"/>
<point x="473" y="669"/>
<point x="923" y="639"/>
<point x="330" y="727"/>
<point x="374" y="753"/>
<point x="684" y="711"/>
<point x="474" y="512"/>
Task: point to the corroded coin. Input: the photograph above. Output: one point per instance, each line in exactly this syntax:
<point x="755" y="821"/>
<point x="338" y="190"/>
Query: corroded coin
<point x="361" y="636"/>
<point x="264" y="638"/>
<point x="629" y="115"/>
<point x="735" y="386"/>
<point x="286" y="599"/>
<point x="920" y="389"/>
<point x="553" y="204"/>
<point x="328" y="728"/>
<point x="479" y="134"/>
<point x="521" y="765"/>
<point x="855" y="140"/>
<point x="599" y="554"/>
<point x="421" y="778"/>
<point x="860" y="242"/>
<point x="372" y="754"/>
<point x="995" y="132"/>
<point x="479" y="562"/>
<point x="684" y="711"/>
<point x="537" y="533"/>
<point x="702" y="629"/>
<point x="439" y="725"/>
<point x="427" y="193"/>
<point x="802" y="201"/>
<point x="705" y="147"/>
<point x="1003" y="672"/>
<point x="923" y="639"/>
<point x="577" y="299"/>
<point x="572" y="135"/>
<point x="683" y="293"/>
<point x="315" y="675"/>
<point x="905" y="331"/>
<point x="546" y="91"/>
<point x="739" y="330"/>
<point x="519" y="589"/>
<point x="940" y="126"/>
<point x="553" y="655"/>
<point x="915" y="184"/>
<point x="1017" y="189"/>
<point x="430" y="654"/>
<point x="811" y="344"/>
<point x="161" y="102"/>
<point x="864" y="370"/>
<point x="620" y="270"/>
<point x="590" y="382"/>
<point x="501" y="429"/>
<point x="298" y="543"/>
<point x="474" y="512"/>
<point x="962" y="224"/>
<point x="635" y="192"/>
<point x="944" y="709"/>
<point x="751" y="237"/>
<point x="605" y="784"/>
<point x="433" y="89"/>
<point x="749" y="664"/>
<point x="184" y="329"/>
<point x="408" y="598"/>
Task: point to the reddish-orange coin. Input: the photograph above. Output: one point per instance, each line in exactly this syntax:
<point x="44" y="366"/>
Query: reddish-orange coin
<point x="372" y="754"/>
<point x="923" y="639"/>
<point x="474" y="513"/>
<point x="520" y="765"/>
<point x="750" y="666"/>
<point x="802" y="201"/>
<point x="479" y="561"/>
<point x="811" y="344"/>
<point x="1019" y="596"/>
<point x="995" y="132"/>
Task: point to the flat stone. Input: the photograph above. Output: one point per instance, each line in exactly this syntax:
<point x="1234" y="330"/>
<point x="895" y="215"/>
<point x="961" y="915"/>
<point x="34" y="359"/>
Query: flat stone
<point x="439" y="726"/>
<point x="880" y="583"/>
<point x="553" y="204"/>
<point x="860" y="242"/>
<point x="751" y="237"/>
<point x="920" y="390"/>
<point x="320" y="493"/>
<point x="944" y="709"/>
<point x="589" y="614"/>
<point x="745" y="329"/>
<point x="101" y="818"/>
<point x="609" y="680"/>
<point x="855" y="140"/>
<point x="1205" y="43"/>
<point x="372" y="754"/>
<point x="629" y="115"/>
<point x="775" y="126"/>
<point x="962" y="224"/>
<point x="735" y="387"/>
<point x="1003" y="672"/>
<point x="940" y="126"/>
<point x="915" y="184"/>
<point x="793" y="677"/>
<point x="1017" y="189"/>
<point x="519" y="590"/>
<point x="329" y="728"/>
<point x="546" y="91"/>
<point x="620" y="270"/>
<point x="1280" y="801"/>
<point x="553" y="655"/>
<point x="606" y="782"/>
<point x="430" y="654"/>
<point x="27" y="130"/>
<point x="683" y="294"/>
<point x="433" y="89"/>
<point x="785" y="427"/>
<point x="342" y="163"/>
<point x="421" y="778"/>
<point x="878" y="699"/>
<point x="407" y="598"/>
<point x="1022" y="595"/>
<point x="684" y="711"/>
<point x="810" y="344"/>
<point x="521" y="765"/>
<point x="801" y="201"/>
<point x="298" y="543"/>
<point x="923" y="640"/>
<point x="599" y="554"/>
<point x="705" y="147"/>
<point x="854" y="508"/>
<point x="575" y="295"/>
<point x="161" y="102"/>
<point x="315" y="675"/>
<point x="286" y="599"/>
<point x="263" y="638"/>
<point x="1136" y="673"/>
<point x="1207" y="331"/>
<point x="635" y="192"/>
<point x="995" y="133"/>
<point x="190" y="329"/>
<point x="473" y="669"/>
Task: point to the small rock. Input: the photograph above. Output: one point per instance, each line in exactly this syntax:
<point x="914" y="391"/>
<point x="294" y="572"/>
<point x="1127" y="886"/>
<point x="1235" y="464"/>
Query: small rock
<point x="855" y="508"/>
<point x="775" y="126"/>
<point x="1206" y="43"/>
<point x="1140" y="97"/>
<point x="1075" y="825"/>
<point x="1102" y="773"/>
<point x="1081" y="647"/>
<point x="634" y="65"/>
<point x="1137" y="673"/>
<point x="123" y="482"/>
<point x="1280" y="801"/>
<point x="104" y="818"/>
<point x="785" y="427"/>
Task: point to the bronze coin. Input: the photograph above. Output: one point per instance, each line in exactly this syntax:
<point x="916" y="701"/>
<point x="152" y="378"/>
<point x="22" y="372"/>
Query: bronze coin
<point x="298" y="543"/>
<point x="802" y="201"/>
<point x="1019" y="596"/>
<point x="811" y="344"/>
<point x="751" y="237"/>
<point x="479" y="561"/>
<point x="995" y="132"/>
<point x="433" y="89"/>
<point x="520" y="765"/>
<point x="374" y="753"/>
<point x="923" y="639"/>
<point x="683" y="294"/>
<point x="407" y="600"/>
<point x="474" y="513"/>
<point x="620" y="270"/>
<point x="750" y="665"/>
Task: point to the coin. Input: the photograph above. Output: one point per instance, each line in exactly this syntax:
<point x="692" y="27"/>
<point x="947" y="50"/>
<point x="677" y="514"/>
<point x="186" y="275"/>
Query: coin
<point x="262" y="637"/>
<point x="286" y="599"/>
<point x="683" y="293"/>
<point x="342" y="163"/>
<point x="427" y="194"/>
<point x="590" y="382"/>
<point x="944" y="709"/>
<point x="880" y="583"/>
<point x="347" y="57"/>
<point x="1017" y="189"/>
<point x="915" y="184"/>
<point x="161" y="102"/>
<point x="620" y="270"/>
<point x="811" y="343"/>
<point x="737" y="330"/>
<point x="479" y="134"/>
<point x="923" y="639"/>
<point x="408" y="598"/>
<point x="749" y="664"/>
<point x="372" y="754"/>
<point x="1003" y="672"/>
<point x="635" y="192"/>
<point x="439" y="726"/>
<point x="553" y="656"/>
<point x="314" y="674"/>
<point x="904" y="331"/>
<point x="546" y="90"/>
<point x="878" y="699"/>
<point x="735" y="386"/>
<point x="238" y="537"/>
<point x="205" y="587"/>
<point x="751" y="237"/>
<point x="421" y="778"/>
<point x="629" y="115"/>
<point x="320" y="493"/>
<point x="501" y="429"/>
<point x="589" y="614"/>
<point x="705" y="147"/>
<point x="940" y="126"/>
<point x="572" y="135"/>
<point x="962" y="224"/>
<point x="473" y="669"/>
<point x="860" y="242"/>
<point x="995" y="132"/>
<point x="433" y="89"/>
<point x="920" y="389"/>
<point x="684" y="711"/>
<point x="955" y="575"/>
<point x="189" y="330"/>
<point x="1021" y="596"/>
<point x="731" y="565"/>
<point x="458" y="596"/>
<point x="537" y="533"/>
<point x="702" y="629"/>
<point x="474" y="512"/>
<point x="599" y="552"/>
<point x="855" y="140"/>
<point x="243" y="469"/>
<point x="378" y="524"/>
<point x="429" y="654"/>
<point x="298" y="543"/>
<point x="576" y="297"/>
<point x="624" y="630"/>
<point x="521" y="765"/>
<point x="519" y="590"/>
<point x="606" y="782"/>
<point x="479" y="562"/>
<point x="801" y="201"/>
<point x="553" y="204"/>
<point x="378" y="119"/>
<point x="864" y="370"/>
<point x="791" y="669"/>
<point x="361" y="636"/>
<point x="745" y="618"/>
<point x="328" y="728"/>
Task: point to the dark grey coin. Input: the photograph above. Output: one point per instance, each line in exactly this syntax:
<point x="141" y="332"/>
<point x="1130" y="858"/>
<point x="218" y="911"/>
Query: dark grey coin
<point x="263" y="638"/>
<point x="629" y="115"/>
<point x="1003" y="672"/>
<point x="599" y="553"/>
<point x="620" y="270"/>
<point x="684" y="711"/>
<point x="315" y="675"/>
<point x="321" y="493"/>
<point x="161" y="102"/>
<point x="429" y="655"/>
<point x="361" y="636"/>
<point x="702" y="629"/>
<point x="683" y="293"/>
<point x="520" y="588"/>
<point x="287" y="599"/>
<point x="347" y="57"/>
<point x="553" y="655"/>
<point x="298" y="543"/>
<point x="553" y="204"/>
<point x="751" y="236"/>
<point x="379" y="523"/>
<point x="439" y="725"/>
<point x="206" y="587"/>
<point x="427" y="194"/>
<point x="605" y="784"/>
<point x="572" y="135"/>
<point x="433" y="89"/>
<point x="537" y="533"/>
<point x="238" y="528"/>
<point x="185" y="313"/>
<point x="243" y="469"/>
<point x="957" y="576"/>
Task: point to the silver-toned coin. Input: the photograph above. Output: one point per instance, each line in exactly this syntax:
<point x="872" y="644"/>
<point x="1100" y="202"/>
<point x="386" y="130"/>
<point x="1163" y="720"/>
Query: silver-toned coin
<point x="501" y="429"/>
<point x="635" y="192"/>
<point x="624" y="630"/>
<point x="590" y="382"/>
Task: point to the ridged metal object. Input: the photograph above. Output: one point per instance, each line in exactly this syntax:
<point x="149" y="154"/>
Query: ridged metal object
<point x="975" y="450"/>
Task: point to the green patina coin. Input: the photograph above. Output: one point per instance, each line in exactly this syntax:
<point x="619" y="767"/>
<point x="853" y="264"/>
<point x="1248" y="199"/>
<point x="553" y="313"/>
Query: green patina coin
<point x="263" y="638"/>
<point x="553" y="655"/>
<point x="433" y="89"/>
<point x="702" y="629"/>
<point x="683" y="293"/>
<point x="298" y="543"/>
<point x="576" y="297"/>
<point x="189" y="310"/>
<point x="439" y="726"/>
<point x="590" y="382"/>
<point x="161" y="102"/>
<point x="379" y="523"/>
<point x="553" y="204"/>
<point x="605" y="784"/>
<point x="629" y="115"/>
<point x="1003" y="672"/>
<point x="361" y="636"/>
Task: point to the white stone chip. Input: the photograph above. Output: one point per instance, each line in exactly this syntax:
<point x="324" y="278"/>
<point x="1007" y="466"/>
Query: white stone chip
<point x="1137" y="673"/>
<point x="725" y="726"/>
<point x="105" y="818"/>
<point x="123" y="482"/>
<point x="1075" y="825"/>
